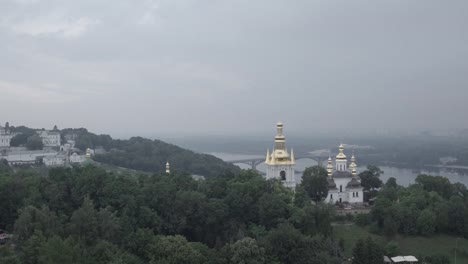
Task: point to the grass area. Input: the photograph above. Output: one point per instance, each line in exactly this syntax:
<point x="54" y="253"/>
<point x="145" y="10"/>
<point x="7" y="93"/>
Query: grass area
<point x="416" y="246"/>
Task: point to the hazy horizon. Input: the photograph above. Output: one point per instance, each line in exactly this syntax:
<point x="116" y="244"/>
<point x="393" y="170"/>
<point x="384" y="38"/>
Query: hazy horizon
<point x="186" y="67"/>
<point x="256" y="135"/>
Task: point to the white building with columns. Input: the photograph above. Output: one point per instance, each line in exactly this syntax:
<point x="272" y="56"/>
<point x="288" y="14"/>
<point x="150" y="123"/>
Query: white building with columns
<point x="280" y="164"/>
<point x="344" y="185"/>
<point x="55" y="161"/>
<point x="49" y="138"/>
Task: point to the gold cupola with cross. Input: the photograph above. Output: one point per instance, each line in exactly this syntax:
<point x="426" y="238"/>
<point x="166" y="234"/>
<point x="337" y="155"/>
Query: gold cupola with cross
<point x="280" y="163"/>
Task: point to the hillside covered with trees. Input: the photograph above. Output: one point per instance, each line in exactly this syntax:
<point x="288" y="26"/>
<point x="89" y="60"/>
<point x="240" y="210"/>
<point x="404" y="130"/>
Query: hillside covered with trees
<point x="147" y="155"/>
<point x="136" y="153"/>
<point x="151" y="156"/>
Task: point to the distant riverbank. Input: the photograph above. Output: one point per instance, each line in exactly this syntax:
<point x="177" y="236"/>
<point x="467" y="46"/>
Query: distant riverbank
<point x="404" y="176"/>
<point x="449" y="167"/>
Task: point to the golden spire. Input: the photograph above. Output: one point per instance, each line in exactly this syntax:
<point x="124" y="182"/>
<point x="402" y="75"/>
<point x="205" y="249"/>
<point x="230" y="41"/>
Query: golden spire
<point x="330" y="167"/>
<point x="353" y="165"/>
<point x="279" y="129"/>
<point x="280" y="154"/>
<point x="280" y="139"/>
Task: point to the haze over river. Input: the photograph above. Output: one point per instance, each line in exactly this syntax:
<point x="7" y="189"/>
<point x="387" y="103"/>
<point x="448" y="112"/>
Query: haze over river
<point x="404" y="176"/>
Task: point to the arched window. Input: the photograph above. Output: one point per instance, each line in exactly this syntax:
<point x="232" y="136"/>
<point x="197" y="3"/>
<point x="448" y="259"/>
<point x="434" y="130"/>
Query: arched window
<point x="283" y="175"/>
<point x="357" y="194"/>
<point x="341" y="188"/>
<point x="331" y="196"/>
<point x="353" y="194"/>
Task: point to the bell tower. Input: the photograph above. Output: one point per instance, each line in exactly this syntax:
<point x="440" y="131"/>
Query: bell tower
<point x="168" y="168"/>
<point x="281" y="164"/>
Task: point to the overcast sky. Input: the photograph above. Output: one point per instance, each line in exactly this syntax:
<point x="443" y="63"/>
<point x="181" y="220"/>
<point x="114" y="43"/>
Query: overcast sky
<point x="234" y="67"/>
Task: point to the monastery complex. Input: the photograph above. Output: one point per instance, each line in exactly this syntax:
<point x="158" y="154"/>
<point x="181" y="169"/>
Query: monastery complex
<point x="343" y="182"/>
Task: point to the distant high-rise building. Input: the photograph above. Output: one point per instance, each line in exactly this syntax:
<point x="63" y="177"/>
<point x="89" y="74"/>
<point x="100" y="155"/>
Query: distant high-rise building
<point x="280" y="164"/>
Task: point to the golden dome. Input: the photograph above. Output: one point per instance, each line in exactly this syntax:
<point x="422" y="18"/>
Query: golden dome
<point x="341" y="155"/>
<point x="281" y="154"/>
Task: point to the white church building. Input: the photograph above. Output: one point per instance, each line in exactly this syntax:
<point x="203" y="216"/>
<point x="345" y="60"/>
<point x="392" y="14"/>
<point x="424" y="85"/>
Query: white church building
<point x="344" y="185"/>
<point x="281" y="164"/>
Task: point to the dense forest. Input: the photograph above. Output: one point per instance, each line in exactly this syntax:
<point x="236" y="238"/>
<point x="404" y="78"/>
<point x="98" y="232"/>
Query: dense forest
<point x="431" y="205"/>
<point x="87" y="215"/>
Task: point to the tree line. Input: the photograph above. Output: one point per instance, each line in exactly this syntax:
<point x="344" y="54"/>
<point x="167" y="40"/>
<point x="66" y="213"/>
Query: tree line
<point x="88" y="215"/>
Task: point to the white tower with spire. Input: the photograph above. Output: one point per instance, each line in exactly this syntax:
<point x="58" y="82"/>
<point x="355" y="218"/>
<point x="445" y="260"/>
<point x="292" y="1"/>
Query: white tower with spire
<point x="280" y="164"/>
<point x="168" y="168"/>
<point x="88" y="153"/>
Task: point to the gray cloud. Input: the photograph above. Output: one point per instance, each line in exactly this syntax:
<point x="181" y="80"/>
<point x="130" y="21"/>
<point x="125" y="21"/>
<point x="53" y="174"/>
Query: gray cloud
<point x="207" y="66"/>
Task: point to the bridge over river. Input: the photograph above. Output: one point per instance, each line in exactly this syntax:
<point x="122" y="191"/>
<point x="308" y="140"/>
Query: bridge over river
<point x="254" y="162"/>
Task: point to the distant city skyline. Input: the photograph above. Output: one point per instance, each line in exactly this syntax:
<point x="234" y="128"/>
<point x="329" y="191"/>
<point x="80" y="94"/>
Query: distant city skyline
<point x="195" y="67"/>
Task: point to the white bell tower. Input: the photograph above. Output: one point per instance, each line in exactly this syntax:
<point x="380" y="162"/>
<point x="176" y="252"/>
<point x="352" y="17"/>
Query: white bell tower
<point x="281" y="165"/>
<point x="168" y="168"/>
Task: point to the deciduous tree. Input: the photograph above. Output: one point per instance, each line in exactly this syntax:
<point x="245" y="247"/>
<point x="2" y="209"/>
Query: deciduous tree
<point x="426" y="223"/>
<point x="315" y="183"/>
<point x="34" y="143"/>
<point x="370" y="178"/>
<point x="246" y="251"/>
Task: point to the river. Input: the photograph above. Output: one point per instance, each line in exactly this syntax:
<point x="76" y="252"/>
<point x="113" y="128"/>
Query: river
<point x="404" y="177"/>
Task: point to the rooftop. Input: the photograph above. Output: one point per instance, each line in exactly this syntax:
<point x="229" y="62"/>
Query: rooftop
<point x="401" y="259"/>
<point x="354" y="183"/>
